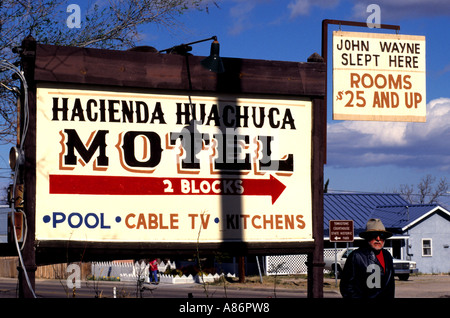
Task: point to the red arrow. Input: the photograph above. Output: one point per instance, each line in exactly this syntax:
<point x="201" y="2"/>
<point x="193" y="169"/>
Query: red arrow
<point x="119" y="185"/>
<point x="272" y="187"/>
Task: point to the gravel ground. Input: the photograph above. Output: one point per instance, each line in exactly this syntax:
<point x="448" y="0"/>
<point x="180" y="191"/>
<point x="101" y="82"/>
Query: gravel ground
<point x="417" y="286"/>
<point x="424" y="286"/>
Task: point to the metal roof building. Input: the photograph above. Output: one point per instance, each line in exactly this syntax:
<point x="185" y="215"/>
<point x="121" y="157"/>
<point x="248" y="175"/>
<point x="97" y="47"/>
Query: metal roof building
<point x="358" y="207"/>
<point x="421" y="232"/>
<point x="398" y="218"/>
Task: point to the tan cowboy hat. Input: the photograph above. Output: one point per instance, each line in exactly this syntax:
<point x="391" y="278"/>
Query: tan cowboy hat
<point x="375" y="226"/>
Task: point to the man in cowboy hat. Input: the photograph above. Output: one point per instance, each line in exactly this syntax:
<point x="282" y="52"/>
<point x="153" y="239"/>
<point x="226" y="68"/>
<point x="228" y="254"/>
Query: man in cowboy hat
<point x="369" y="270"/>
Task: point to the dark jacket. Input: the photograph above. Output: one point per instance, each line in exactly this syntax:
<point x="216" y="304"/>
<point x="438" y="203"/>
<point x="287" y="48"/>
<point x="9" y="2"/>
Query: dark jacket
<point x="358" y="279"/>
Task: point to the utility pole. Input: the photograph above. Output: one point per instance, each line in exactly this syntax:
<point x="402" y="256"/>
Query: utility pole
<point x="27" y="270"/>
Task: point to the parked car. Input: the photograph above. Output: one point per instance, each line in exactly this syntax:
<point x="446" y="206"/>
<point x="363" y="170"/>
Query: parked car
<point x="402" y="268"/>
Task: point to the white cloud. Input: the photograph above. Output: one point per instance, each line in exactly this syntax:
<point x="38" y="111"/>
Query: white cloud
<point x="445" y="69"/>
<point x="239" y="14"/>
<point x="389" y="8"/>
<point x="242" y="11"/>
<point x="299" y="7"/>
<point x="357" y="143"/>
<point x="303" y="7"/>
<point x="403" y="8"/>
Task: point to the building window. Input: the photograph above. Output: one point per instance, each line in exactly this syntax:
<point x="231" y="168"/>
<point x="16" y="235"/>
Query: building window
<point x="426" y="247"/>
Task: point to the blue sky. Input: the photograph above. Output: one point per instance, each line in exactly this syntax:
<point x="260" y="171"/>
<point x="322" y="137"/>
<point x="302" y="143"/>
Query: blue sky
<point x="362" y="156"/>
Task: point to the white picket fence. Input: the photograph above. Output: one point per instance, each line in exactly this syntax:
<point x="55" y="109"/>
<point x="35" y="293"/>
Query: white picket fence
<point x="125" y="271"/>
<point x="129" y="272"/>
<point x="208" y="278"/>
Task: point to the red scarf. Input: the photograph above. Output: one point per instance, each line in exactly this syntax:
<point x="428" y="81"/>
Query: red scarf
<point x="380" y="258"/>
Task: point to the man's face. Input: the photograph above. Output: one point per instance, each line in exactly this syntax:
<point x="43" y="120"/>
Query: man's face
<point x="376" y="242"/>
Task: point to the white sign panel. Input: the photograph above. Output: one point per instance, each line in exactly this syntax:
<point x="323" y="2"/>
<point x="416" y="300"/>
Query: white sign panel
<point x="379" y="77"/>
<point x="135" y="166"/>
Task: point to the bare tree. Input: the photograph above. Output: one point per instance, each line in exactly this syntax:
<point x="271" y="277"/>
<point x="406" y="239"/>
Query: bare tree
<point x="109" y="24"/>
<point x="427" y="191"/>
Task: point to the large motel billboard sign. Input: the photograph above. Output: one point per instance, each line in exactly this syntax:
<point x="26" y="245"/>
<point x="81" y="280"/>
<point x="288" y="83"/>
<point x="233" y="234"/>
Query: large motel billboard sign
<point x="135" y="166"/>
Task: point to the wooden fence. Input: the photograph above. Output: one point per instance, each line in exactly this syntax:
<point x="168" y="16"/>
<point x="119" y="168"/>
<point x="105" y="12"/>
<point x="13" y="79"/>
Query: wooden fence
<point x="8" y="268"/>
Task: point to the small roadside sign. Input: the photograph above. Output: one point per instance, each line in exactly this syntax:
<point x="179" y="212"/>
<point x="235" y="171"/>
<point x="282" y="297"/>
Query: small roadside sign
<point x="341" y="231"/>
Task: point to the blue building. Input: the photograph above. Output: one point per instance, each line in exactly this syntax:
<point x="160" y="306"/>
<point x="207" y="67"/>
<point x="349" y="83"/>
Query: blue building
<point x="421" y="232"/>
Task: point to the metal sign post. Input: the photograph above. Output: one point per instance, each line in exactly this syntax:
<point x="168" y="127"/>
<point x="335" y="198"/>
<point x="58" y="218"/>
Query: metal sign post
<point x="335" y="263"/>
<point x="340" y="231"/>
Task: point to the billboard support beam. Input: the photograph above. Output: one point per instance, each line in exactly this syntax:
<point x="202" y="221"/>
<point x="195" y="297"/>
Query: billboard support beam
<point x="315" y="261"/>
